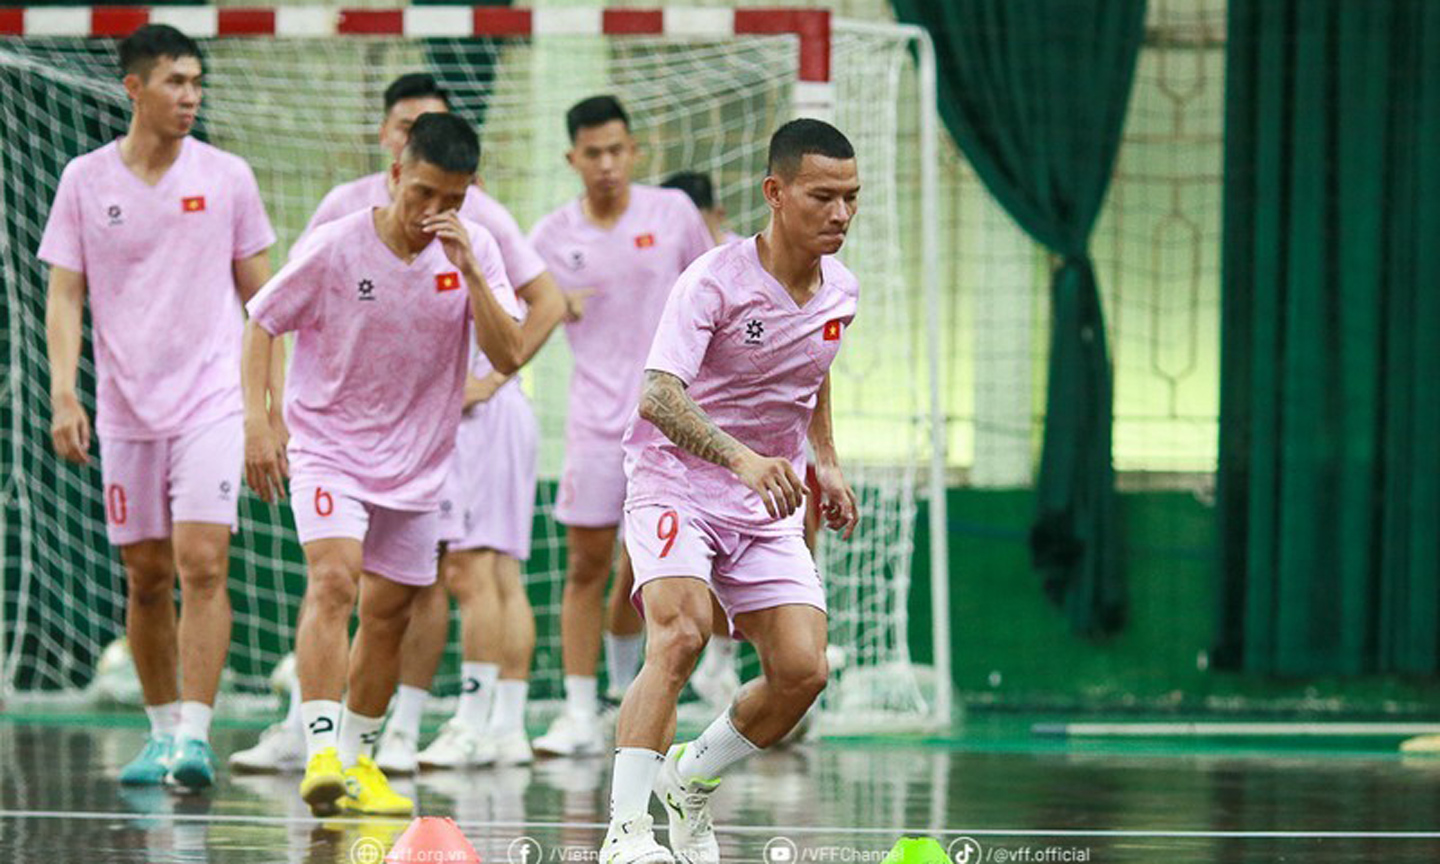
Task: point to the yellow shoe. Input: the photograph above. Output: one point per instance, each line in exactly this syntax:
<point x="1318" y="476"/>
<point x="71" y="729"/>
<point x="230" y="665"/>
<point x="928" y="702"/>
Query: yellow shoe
<point x="367" y="791"/>
<point x="324" y="783"/>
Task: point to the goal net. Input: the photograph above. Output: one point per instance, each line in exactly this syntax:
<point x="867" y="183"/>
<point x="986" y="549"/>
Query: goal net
<point x="300" y="99"/>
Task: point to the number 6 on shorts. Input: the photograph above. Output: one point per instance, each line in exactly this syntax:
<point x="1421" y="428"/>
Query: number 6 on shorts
<point x="324" y="504"/>
<point x="667" y="529"/>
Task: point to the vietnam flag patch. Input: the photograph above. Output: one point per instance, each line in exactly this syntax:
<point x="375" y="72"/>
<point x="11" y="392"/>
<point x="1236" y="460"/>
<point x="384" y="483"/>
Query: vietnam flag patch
<point x="447" y="281"/>
<point x="644" y="241"/>
<point x="193" y="204"/>
<point x="831" y="333"/>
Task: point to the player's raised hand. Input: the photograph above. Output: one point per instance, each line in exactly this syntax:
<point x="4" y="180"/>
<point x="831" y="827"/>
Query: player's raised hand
<point x="70" y="429"/>
<point x="265" y="463"/>
<point x="837" y="500"/>
<point x="575" y="304"/>
<point x="454" y="239"/>
<point x="776" y="482"/>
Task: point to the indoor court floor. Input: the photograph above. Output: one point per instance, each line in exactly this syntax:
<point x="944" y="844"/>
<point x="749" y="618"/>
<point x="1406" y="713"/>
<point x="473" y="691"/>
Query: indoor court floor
<point x="990" y="788"/>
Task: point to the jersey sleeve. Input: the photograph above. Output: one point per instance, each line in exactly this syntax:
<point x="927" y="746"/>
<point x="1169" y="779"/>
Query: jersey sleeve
<point x="62" y="244"/>
<point x="253" y="232"/>
<point x="692" y="315"/>
<point x="522" y="263"/>
<point x="695" y="234"/>
<point x="293" y="298"/>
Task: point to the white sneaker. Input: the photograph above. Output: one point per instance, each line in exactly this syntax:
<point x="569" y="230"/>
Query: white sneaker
<point x="687" y="804"/>
<point x="512" y="748"/>
<point x="396" y="752"/>
<point x="572" y="736"/>
<point x="458" y="746"/>
<point x="281" y="748"/>
<point x="717" y="684"/>
<point x="633" y="842"/>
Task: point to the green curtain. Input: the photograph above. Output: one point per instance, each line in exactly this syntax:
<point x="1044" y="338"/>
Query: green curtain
<point x="1330" y="415"/>
<point x="1035" y="92"/>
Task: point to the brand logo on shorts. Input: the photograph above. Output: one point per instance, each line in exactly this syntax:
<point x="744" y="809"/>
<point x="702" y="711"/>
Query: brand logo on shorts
<point x="367" y="289"/>
<point x="225" y="490"/>
<point x="754" y="329"/>
<point x="113" y="211"/>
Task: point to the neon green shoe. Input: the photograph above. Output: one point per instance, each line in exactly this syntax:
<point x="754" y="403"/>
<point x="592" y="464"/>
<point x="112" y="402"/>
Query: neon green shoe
<point x="324" y="783"/>
<point x="687" y="804"/>
<point x="367" y="791"/>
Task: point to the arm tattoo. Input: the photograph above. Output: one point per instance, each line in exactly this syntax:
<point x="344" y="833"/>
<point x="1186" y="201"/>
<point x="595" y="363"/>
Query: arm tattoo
<point x="665" y="403"/>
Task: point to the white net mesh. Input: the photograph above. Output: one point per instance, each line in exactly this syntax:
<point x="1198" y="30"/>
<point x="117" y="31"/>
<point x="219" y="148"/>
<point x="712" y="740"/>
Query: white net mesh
<point x="304" y="113"/>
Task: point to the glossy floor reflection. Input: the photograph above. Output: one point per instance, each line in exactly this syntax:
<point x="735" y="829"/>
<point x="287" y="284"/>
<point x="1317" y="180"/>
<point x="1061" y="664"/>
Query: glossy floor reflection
<point x="1017" y="799"/>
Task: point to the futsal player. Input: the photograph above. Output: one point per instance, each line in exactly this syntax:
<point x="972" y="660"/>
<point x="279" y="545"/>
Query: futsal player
<point x="701" y="190"/>
<point x="615" y="250"/>
<point x="167" y="236"/>
<point x="737" y="379"/>
<point x="384" y="304"/>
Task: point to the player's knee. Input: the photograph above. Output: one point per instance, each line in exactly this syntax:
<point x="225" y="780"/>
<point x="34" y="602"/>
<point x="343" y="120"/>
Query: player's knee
<point x="588" y="569"/>
<point x="149" y="583"/>
<point x="804" y="676"/>
<point x="677" y="646"/>
<point x="202" y="569"/>
<point x="331" y="590"/>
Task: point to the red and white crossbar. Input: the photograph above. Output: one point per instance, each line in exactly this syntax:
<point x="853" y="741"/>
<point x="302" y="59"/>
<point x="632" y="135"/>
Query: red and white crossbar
<point x="812" y="26"/>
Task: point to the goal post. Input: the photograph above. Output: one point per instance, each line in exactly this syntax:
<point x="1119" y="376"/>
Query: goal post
<point x="296" y="91"/>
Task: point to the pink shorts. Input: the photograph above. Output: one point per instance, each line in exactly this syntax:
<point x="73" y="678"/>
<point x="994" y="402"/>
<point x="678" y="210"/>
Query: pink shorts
<point x="747" y="572"/>
<point x="401" y="545"/>
<point x="489" y="496"/>
<point x="592" y="486"/>
<point x="192" y="477"/>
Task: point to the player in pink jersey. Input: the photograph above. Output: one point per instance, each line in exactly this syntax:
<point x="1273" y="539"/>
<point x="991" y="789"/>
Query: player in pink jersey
<point x="616" y="250"/>
<point x="495" y="465"/>
<point x="167" y="236"/>
<point x="736" y="380"/>
<point x="383" y="303"/>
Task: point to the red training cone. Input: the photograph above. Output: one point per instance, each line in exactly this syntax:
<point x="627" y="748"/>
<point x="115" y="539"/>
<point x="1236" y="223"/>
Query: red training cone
<point x="432" y="838"/>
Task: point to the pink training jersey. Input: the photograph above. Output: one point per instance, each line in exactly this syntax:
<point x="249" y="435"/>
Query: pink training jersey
<point x="375" y="388"/>
<point x="522" y="263"/>
<point x="631" y="268"/>
<point x="158" y="264"/>
<point x="753" y="361"/>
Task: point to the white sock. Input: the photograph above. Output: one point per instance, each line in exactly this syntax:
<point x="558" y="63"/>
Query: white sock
<point x="477" y="690"/>
<point x="509" y="713"/>
<point x="358" y="736"/>
<point x="717" y="748"/>
<point x="409" y="709"/>
<point x="163" y="718"/>
<point x="322" y="725"/>
<point x="623" y="655"/>
<point x="292" y="715"/>
<point x="633" y="782"/>
<point x="719" y="655"/>
<point x="580" y="695"/>
<point x="194" y="722"/>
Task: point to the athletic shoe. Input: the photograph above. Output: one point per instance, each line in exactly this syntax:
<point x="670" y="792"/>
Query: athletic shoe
<point x="716" y="683"/>
<point x="152" y="764"/>
<point x="687" y="804"/>
<point x="281" y="748"/>
<point x="324" y="783"/>
<point x="368" y="792"/>
<point x="396" y="753"/>
<point x="572" y="736"/>
<point x="633" y="842"/>
<point x="458" y="746"/>
<point x="193" y="766"/>
<point x="513" y="748"/>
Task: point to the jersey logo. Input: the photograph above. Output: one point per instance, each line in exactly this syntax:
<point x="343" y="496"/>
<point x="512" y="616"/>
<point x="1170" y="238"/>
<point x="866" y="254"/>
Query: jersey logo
<point x="447" y="281"/>
<point x="367" y="289"/>
<point x="644" y="241"/>
<point x="193" y="204"/>
<point x="831" y="333"/>
<point x="113" y="211"/>
<point x="577" y="259"/>
<point x="754" y="329"/>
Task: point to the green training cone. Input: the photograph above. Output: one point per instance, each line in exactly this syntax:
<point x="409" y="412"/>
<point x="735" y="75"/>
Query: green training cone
<point x="916" y="850"/>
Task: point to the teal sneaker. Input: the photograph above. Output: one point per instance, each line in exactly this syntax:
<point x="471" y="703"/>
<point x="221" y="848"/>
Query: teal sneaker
<point x="150" y="767"/>
<point x="193" y="766"/>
